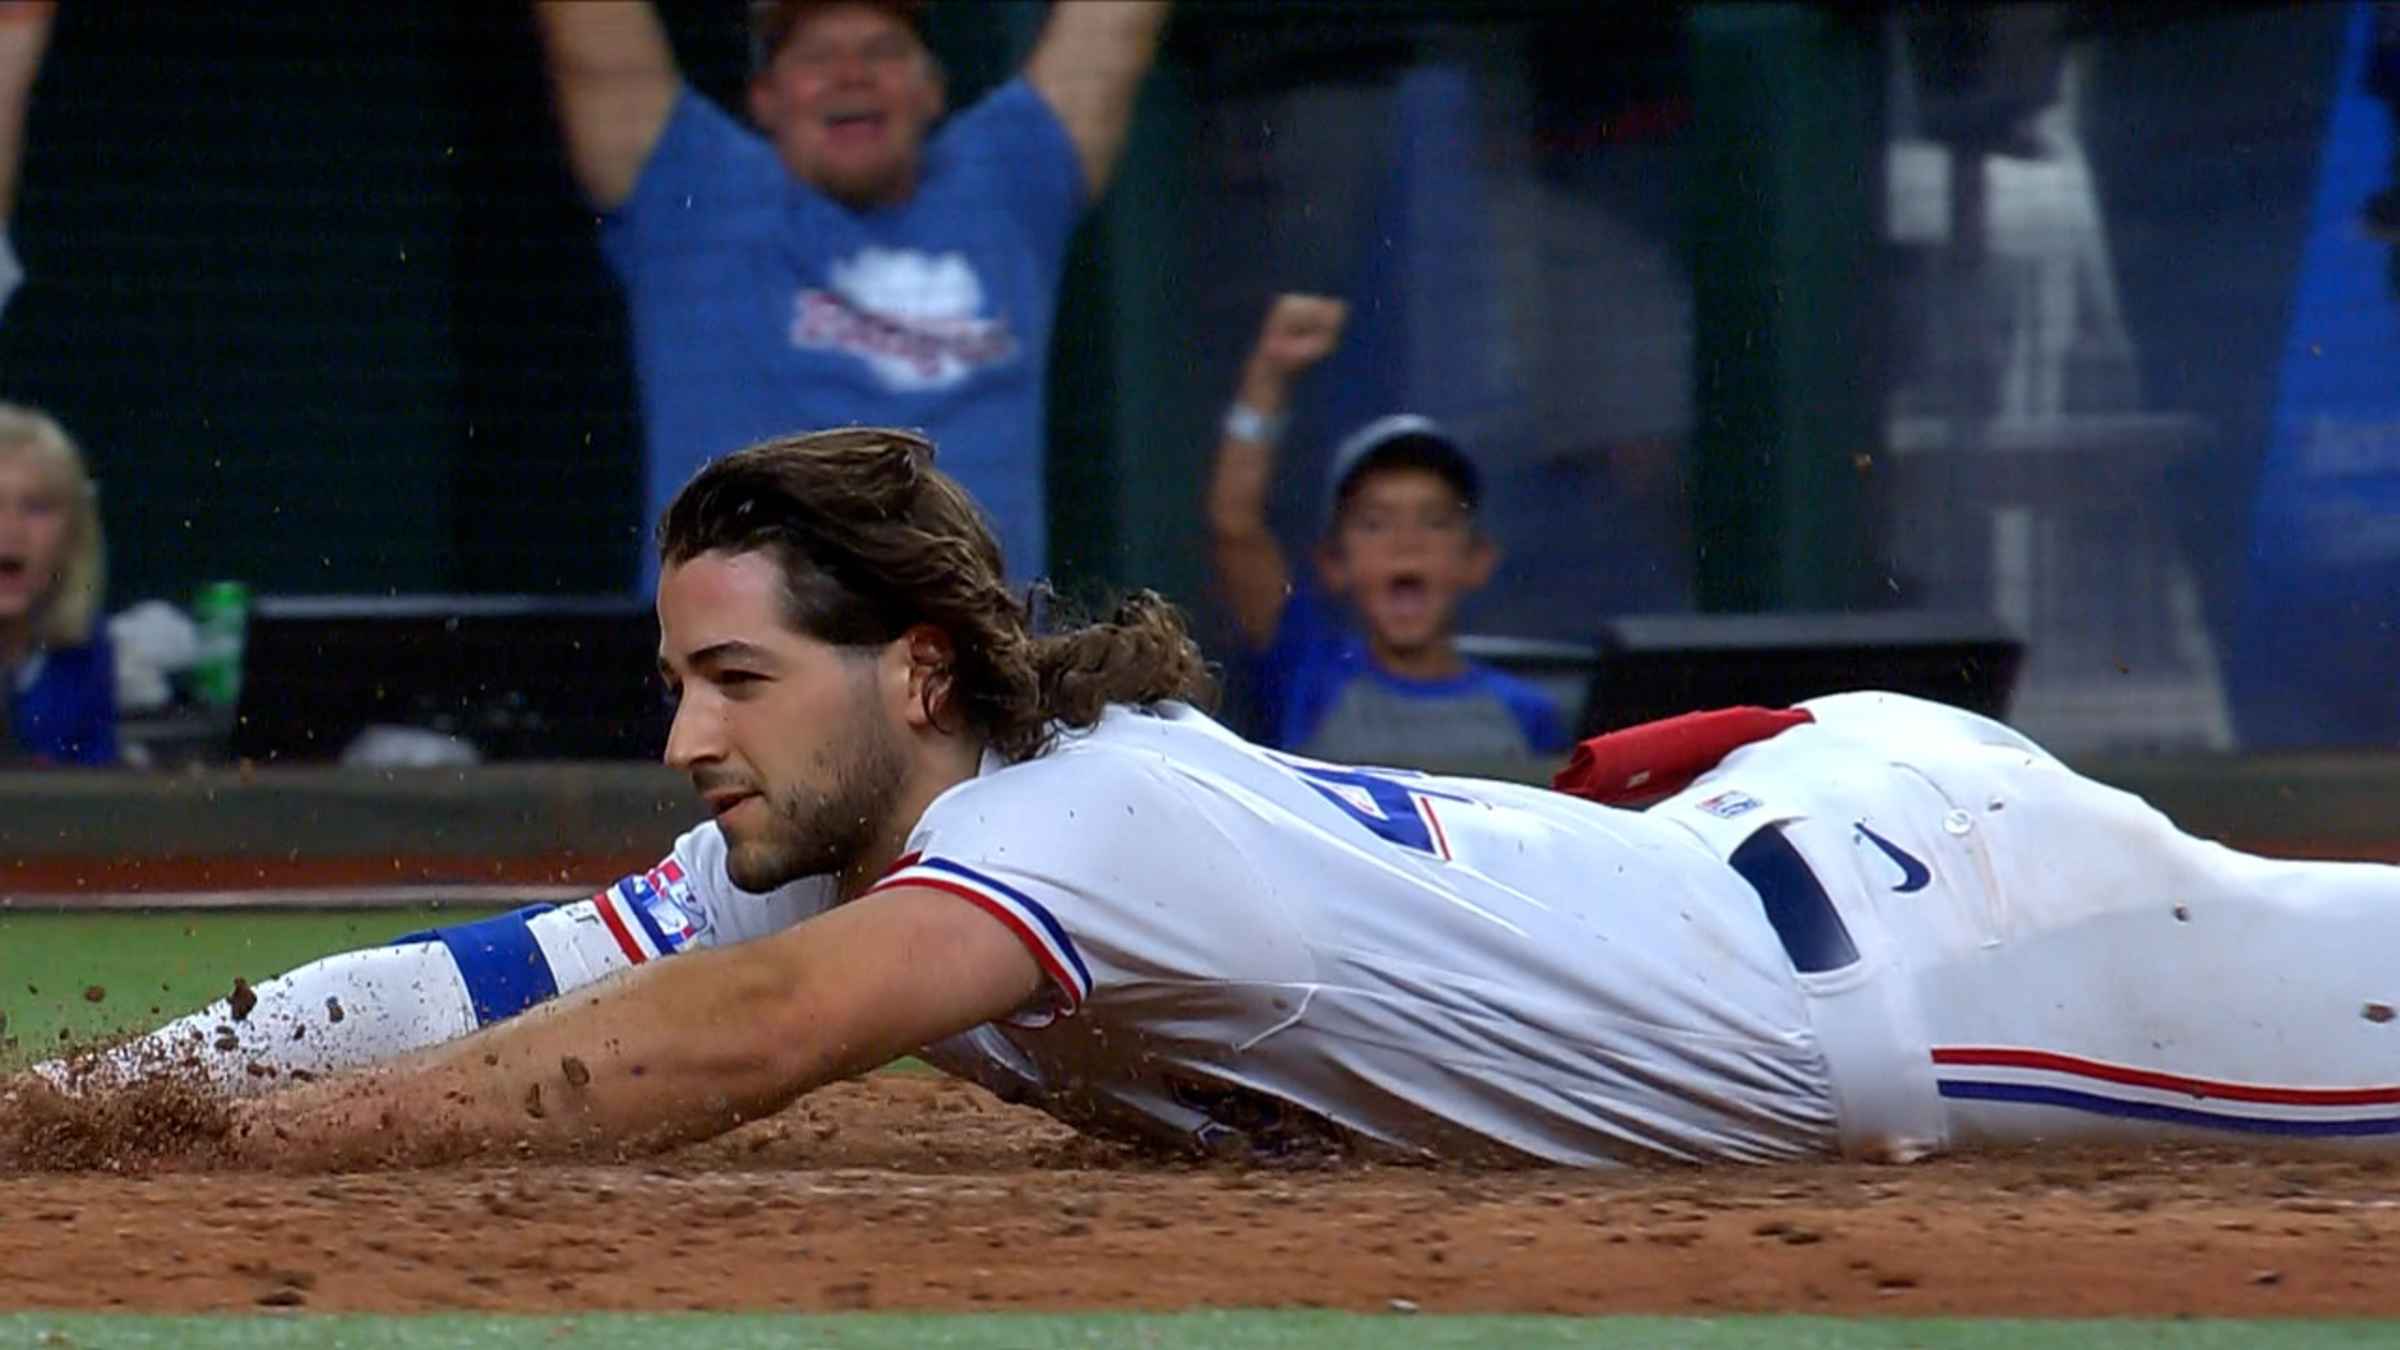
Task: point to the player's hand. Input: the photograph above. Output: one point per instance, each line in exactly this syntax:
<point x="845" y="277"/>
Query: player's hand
<point x="1300" y="330"/>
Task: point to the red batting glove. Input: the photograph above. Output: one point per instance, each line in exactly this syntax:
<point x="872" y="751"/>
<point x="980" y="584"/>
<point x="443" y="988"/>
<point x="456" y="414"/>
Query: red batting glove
<point x="1651" y="762"/>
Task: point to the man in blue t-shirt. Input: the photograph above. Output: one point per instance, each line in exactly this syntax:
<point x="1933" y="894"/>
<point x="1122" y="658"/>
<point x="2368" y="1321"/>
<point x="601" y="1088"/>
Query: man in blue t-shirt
<point x="845" y="266"/>
<point x="1401" y="548"/>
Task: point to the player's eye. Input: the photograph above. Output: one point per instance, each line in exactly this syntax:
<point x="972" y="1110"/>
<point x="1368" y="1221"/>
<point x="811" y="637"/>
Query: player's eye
<point x="737" y="683"/>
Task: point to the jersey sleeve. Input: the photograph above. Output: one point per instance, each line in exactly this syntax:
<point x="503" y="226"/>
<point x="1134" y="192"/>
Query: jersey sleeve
<point x="688" y="900"/>
<point x="1110" y="873"/>
<point x="1018" y="155"/>
<point x="1294" y="676"/>
<point x="1030" y="913"/>
<point x="706" y="174"/>
<point x="1545" y="730"/>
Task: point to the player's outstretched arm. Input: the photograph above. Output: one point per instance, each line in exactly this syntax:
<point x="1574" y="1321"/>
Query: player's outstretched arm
<point x="362" y="1007"/>
<point x="1089" y="63"/>
<point x="613" y="80"/>
<point x="1298" y="332"/>
<point x="672" y="1052"/>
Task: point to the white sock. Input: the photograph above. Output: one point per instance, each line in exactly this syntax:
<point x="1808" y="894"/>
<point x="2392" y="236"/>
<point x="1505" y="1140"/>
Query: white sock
<point x="358" y="1008"/>
<point x="342" y="1012"/>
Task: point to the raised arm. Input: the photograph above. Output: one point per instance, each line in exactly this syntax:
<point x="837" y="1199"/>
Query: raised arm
<point x="24" y="34"/>
<point x="1090" y="60"/>
<point x="670" y="1052"/>
<point x="614" y="81"/>
<point x="1300" y="330"/>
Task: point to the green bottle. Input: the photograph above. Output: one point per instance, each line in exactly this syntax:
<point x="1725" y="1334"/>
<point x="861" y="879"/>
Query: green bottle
<point x="222" y="613"/>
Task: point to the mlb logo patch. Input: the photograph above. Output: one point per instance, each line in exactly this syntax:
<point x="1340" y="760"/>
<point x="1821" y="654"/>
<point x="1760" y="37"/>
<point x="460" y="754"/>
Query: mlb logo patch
<point x="665" y="898"/>
<point x="1727" y="805"/>
<point x="670" y="882"/>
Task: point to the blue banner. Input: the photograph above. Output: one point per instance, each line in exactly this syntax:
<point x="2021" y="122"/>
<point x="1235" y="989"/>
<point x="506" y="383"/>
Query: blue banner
<point x="2317" y="657"/>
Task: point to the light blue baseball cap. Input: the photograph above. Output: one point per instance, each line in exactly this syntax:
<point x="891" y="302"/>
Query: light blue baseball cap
<point x="1408" y="439"/>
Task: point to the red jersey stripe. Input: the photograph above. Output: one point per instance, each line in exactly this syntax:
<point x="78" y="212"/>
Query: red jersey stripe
<point x="606" y="903"/>
<point x="2008" y="1057"/>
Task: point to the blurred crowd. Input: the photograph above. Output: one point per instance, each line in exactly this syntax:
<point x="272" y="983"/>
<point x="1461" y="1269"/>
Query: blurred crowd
<point x="1474" y="321"/>
<point x="848" y="249"/>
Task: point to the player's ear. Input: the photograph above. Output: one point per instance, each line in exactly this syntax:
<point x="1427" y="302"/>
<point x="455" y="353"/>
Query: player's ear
<point x="937" y="86"/>
<point x="1483" y="558"/>
<point x="925" y="670"/>
<point x="766" y="106"/>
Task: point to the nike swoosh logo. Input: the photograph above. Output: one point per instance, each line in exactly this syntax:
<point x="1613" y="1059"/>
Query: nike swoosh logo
<point x="1913" y="874"/>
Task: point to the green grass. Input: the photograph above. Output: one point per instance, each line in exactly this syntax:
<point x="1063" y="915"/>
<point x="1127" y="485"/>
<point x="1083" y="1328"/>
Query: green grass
<point x="153" y="965"/>
<point x="1184" y="1331"/>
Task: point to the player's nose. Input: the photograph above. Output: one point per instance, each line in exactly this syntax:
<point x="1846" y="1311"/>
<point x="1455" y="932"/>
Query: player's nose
<point x="695" y="737"/>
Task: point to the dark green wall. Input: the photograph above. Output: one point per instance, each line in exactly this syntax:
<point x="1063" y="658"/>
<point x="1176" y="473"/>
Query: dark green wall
<point x="238" y="290"/>
<point x="1130" y="425"/>
<point x="313" y="289"/>
<point x="1787" y="140"/>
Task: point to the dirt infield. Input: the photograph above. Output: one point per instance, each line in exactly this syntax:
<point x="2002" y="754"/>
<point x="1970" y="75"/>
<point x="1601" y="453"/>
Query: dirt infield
<point x="907" y="1192"/>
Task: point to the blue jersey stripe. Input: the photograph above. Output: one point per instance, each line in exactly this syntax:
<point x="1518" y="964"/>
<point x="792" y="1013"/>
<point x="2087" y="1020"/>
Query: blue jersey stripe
<point x="1057" y="931"/>
<point x="504" y="969"/>
<point x="2037" y="1094"/>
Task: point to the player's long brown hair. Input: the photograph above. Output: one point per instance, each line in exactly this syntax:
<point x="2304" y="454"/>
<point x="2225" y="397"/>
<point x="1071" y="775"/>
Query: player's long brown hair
<point x="872" y="540"/>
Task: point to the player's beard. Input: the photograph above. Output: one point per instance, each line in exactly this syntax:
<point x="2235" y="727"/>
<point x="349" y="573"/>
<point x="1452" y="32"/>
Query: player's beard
<point x="819" y="829"/>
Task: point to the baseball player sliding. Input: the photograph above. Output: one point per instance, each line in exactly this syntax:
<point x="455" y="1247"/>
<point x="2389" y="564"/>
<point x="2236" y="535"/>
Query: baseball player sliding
<point x="1870" y="926"/>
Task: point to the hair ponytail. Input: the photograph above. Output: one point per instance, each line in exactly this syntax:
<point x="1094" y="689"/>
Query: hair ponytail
<point x="1142" y="653"/>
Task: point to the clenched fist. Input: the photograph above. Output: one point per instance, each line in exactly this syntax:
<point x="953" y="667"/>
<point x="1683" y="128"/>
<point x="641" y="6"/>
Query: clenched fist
<point x="1300" y="331"/>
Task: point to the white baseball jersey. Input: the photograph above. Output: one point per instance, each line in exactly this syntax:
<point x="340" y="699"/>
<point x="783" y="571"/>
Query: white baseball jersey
<point x="1246" y="944"/>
